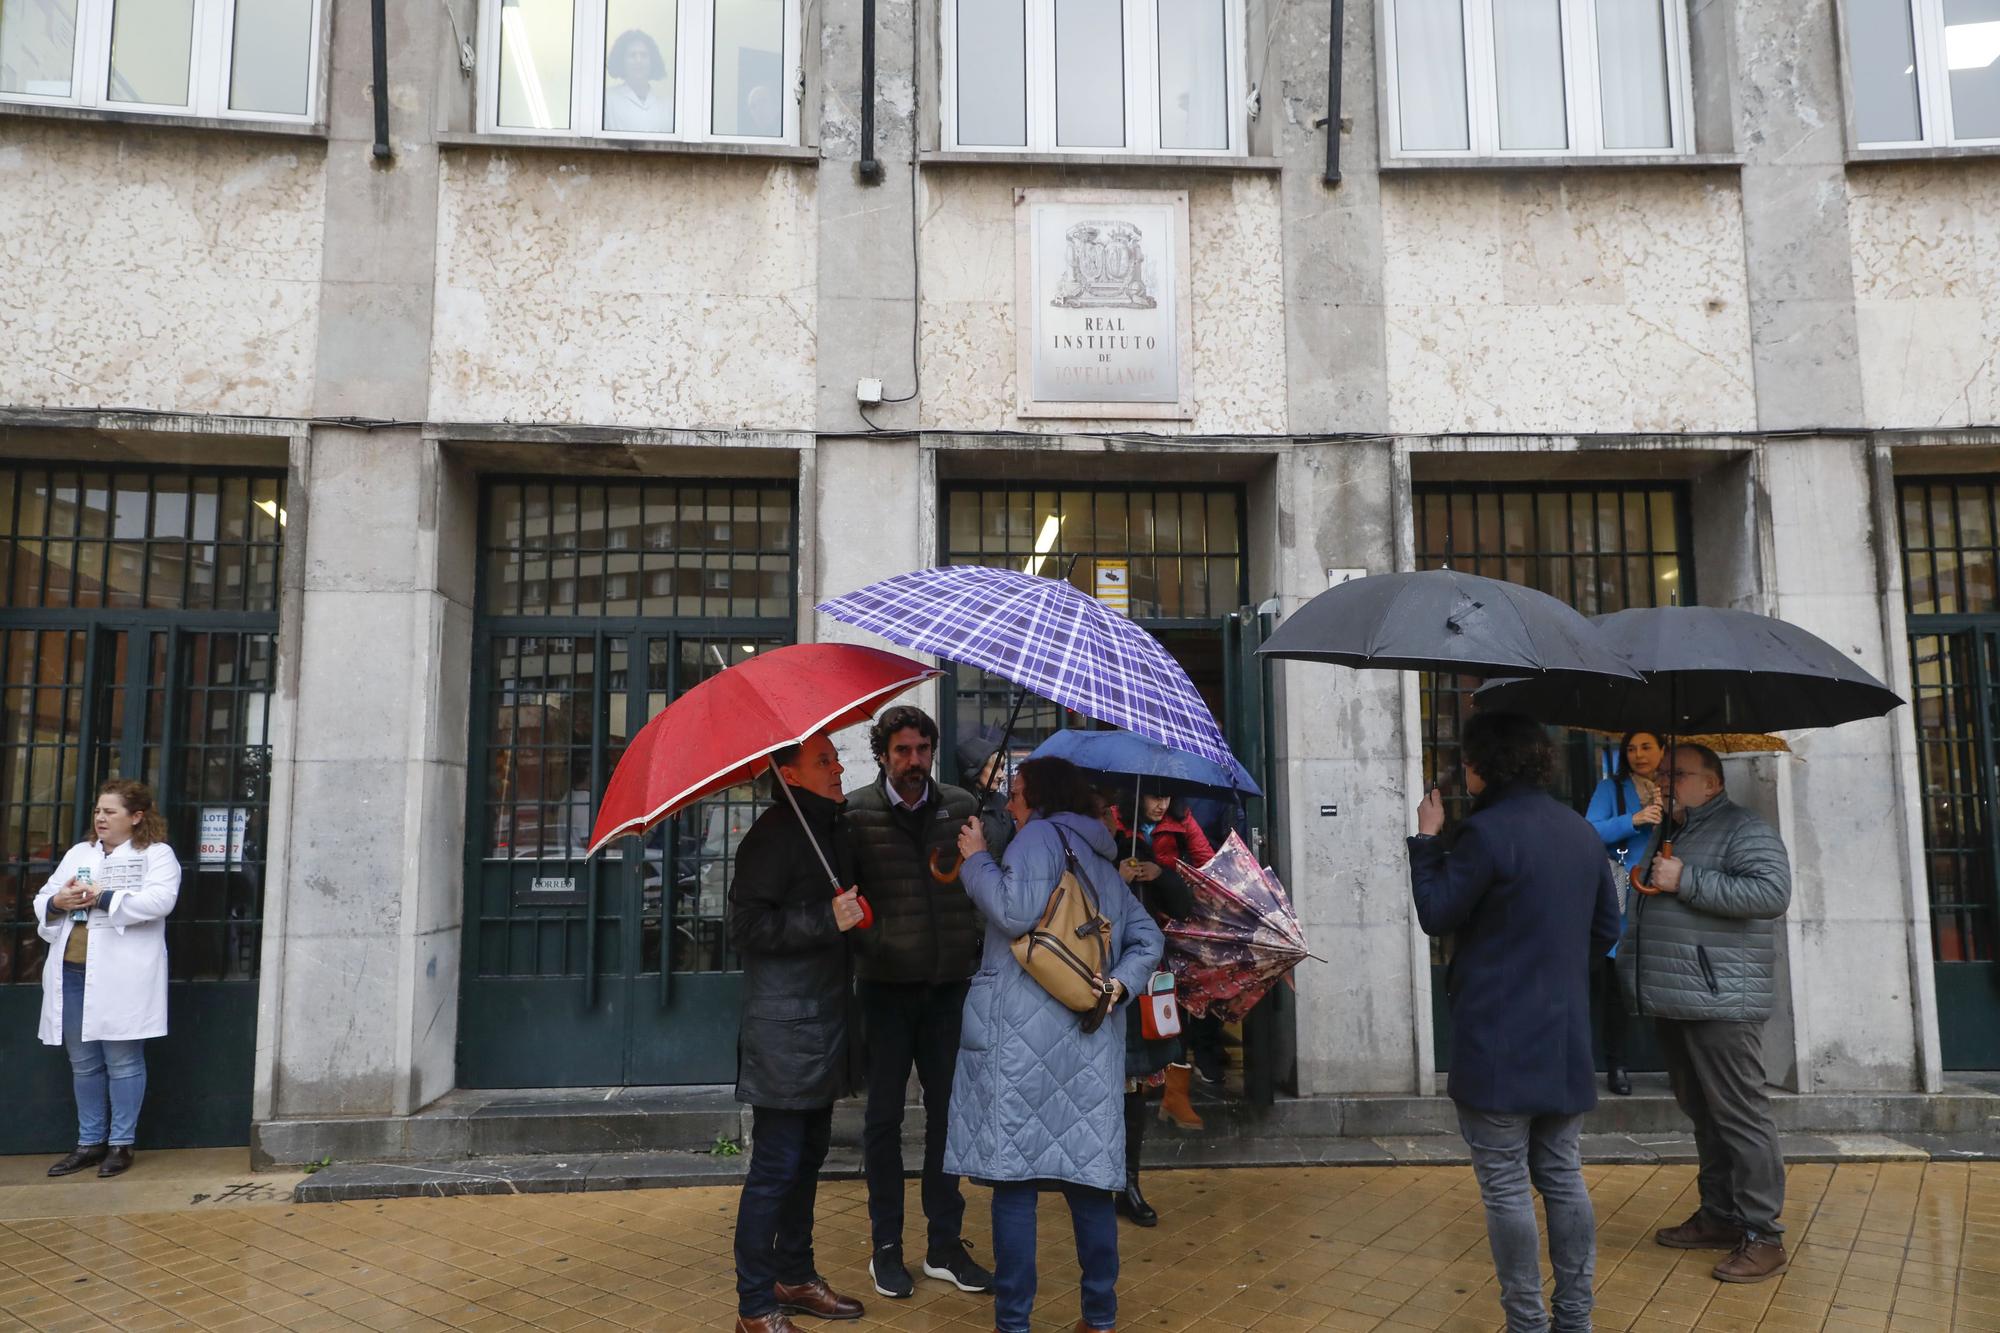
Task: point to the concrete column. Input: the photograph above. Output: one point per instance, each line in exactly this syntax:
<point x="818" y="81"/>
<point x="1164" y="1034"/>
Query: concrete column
<point x="1335" y="344"/>
<point x="1855" y="979"/>
<point x="1341" y="740"/>
<point x="1803" y="337"/>
<point x="361" y="966"/>
<point x="364" y="969"/>
<point x="867" y="294"/>
<point x="875" y="515"/>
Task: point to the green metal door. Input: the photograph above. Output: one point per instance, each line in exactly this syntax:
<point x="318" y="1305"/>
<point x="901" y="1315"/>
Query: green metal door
<point x="611" y="970"/>
<point x="138" y="639"/>
<point x="1951" y="585"/>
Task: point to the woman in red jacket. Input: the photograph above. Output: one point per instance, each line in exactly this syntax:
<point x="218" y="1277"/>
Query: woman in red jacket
<point x="1176" y="837"/>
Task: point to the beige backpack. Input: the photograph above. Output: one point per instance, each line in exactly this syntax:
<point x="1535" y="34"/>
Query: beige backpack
<point x="1067" y="950"/>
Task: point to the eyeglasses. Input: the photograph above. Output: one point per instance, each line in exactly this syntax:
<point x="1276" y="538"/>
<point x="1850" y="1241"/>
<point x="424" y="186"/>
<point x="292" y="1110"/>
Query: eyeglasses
<point x="1680" y="773"/>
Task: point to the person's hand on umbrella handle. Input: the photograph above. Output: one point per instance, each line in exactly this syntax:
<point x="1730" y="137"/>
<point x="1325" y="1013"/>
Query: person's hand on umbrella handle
<point x="1430" y="814"/>
<point x="850" y="910"/>
<point x="1650" y="815"/>
<point x="971" y="838"/>
<point x="1666" y="874"/>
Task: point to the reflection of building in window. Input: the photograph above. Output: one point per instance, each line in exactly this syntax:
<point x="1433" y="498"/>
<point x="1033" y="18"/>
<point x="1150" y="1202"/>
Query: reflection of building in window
<point x="638" y="95"/>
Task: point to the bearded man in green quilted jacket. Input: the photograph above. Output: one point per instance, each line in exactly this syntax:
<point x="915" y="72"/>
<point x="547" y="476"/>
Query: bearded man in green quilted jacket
<point x="1699" y="958"/>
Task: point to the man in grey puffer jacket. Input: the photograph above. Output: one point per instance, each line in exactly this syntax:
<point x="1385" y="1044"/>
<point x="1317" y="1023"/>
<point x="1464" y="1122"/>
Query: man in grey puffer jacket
<point x="1698" y="958"/>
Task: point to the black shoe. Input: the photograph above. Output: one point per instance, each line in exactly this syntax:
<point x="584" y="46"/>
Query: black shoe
<point x="1209" y="1068"/>
<point x="891" y="1278"/>
<point x="116" y="1162"/>
<point x="1132" y="1204"/>
<point x="79" y="1159"/>
<point x="955" y="1265"/>
<point x="1619" y="1081"/>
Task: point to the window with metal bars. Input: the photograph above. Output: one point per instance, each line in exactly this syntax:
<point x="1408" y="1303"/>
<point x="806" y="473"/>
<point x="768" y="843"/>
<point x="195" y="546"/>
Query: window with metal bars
<point x="138" y="638"/>
<point x="1948" y="536"/>
<point x="1600" y="548"/>
<point x="1182" y="548"/>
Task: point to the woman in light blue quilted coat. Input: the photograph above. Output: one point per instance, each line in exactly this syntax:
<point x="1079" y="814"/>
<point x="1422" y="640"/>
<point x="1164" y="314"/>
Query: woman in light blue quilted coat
<point x="1038" y="1103"/>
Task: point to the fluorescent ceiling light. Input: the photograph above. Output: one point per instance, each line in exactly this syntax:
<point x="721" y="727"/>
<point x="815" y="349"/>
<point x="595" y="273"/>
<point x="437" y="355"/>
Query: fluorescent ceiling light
<point x="1971" y="45"/>
<point x="1045" y="543"/>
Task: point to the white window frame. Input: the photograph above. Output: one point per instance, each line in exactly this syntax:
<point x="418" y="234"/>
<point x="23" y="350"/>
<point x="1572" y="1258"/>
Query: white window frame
<point x="1142" y="79"/>
<point x="211" y="52"/>
<point x="1583" y="108"/>
<point x="694" y="78"/>
<point x="1934" y="110"/>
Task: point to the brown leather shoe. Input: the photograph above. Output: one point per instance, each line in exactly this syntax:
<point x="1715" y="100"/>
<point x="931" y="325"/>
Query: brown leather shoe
<point x="1753" y="1261"/>
<point x="817" y="1299"/>
<point x="1085" y="1326"/>
<point x="770" y="1323"/>
<point x="1700" y="1232"/>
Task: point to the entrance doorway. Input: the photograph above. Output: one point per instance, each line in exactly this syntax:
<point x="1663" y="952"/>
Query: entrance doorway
<point x="1599" y="547"/>
<point x="1948" y="536"/>
<point x="1182" y="552"/>
<point x="600" y="605"/>
<point x="138" y="639"/>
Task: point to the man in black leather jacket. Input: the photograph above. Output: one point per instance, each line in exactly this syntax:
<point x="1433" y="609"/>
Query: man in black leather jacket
<point x="791" y="931"/>
<point x="914" y="965"/>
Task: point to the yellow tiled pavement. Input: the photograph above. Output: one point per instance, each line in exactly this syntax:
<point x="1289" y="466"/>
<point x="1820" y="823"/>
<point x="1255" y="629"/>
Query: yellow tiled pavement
<point x="1894" y="1246"/>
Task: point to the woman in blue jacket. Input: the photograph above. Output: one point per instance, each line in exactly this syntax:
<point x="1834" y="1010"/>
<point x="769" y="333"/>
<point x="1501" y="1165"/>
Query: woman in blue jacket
<point x="1624" y="810"/>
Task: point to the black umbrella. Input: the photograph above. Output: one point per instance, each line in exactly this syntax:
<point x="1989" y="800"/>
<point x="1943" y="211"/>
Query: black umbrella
<point x="1705" y="668"/>
<point x="1445" y="621"/>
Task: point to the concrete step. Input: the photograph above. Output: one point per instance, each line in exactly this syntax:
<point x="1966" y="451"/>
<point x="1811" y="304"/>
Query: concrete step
<point x="610" y="1121"/>
<point x="545" y="1173"/>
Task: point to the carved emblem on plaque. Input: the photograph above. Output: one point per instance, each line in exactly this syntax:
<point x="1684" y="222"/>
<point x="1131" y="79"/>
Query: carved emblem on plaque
<point x="1105" y="269"/>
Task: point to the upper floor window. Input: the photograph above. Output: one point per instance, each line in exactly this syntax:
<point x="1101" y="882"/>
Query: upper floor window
<point x="1925" y="72"/>
<point x="1094" y="76"/>
<point x="240" y="59"/>
<point x="1486" y="78"/>
<point x="642" y="69"/>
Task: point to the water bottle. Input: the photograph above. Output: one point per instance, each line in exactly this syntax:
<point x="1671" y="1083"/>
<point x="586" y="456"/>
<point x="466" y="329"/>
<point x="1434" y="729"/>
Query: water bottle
<point x="81" y="914"/>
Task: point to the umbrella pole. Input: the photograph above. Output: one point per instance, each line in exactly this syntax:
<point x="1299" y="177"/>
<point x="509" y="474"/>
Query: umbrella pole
<point x="811" y="837"/>
<point x="1138" y="783"/>
<point x="944" y="864"/>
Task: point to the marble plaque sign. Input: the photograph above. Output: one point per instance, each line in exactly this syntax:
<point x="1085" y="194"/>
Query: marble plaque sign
<point x="1101" y="303"/>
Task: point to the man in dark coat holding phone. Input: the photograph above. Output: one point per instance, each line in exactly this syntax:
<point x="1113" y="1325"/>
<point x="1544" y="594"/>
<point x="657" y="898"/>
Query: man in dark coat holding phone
<point x="791" y="930"/>
<point x="1526" y="893"/>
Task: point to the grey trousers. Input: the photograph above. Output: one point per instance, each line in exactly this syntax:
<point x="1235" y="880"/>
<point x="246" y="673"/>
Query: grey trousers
<point x="1510" y="1153"/>
<point x="1717" y="1071"/>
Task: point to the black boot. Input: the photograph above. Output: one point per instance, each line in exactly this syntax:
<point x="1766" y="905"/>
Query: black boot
<point x="91" y="1156"/>
<point x="1130" y="1202"/>
<point x="1619" y="1081"/>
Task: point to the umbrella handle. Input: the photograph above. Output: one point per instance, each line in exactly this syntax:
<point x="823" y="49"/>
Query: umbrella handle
<point x="1666" y="849"/>
<point x="942" y="870"/>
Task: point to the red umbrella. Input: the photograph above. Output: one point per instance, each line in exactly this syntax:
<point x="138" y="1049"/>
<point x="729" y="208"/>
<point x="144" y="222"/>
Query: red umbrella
<point x="723" y="731"/>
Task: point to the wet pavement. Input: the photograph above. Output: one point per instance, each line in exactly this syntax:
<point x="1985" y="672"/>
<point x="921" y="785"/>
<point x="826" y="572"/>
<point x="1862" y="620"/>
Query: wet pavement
<point x="1876" y="1245"/>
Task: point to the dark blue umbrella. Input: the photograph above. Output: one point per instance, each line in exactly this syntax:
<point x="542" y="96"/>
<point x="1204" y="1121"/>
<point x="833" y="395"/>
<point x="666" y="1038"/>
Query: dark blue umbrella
<point x="1162" y="770"/>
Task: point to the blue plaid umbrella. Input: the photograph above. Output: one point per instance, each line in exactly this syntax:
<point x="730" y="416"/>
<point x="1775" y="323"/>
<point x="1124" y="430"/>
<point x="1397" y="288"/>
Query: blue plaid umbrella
<point x="1046" y="637"/>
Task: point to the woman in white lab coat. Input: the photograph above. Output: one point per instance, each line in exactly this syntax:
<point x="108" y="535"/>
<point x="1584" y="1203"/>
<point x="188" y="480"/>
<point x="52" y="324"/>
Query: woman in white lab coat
<point x="104" y="992"/>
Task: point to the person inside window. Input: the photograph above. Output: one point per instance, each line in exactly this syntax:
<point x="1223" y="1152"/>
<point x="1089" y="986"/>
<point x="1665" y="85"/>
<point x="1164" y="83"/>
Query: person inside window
<point x="631" y="103"/>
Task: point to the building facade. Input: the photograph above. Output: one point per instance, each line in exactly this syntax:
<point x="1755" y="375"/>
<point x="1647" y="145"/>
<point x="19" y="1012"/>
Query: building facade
<point x="381" y="443"/>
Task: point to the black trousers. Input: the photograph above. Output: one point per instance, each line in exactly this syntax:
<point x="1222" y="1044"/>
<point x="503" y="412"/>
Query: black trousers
<point x="910" y="1026"/>
<point x="1607" y="1010"/>
<point x="774" y="1218"/>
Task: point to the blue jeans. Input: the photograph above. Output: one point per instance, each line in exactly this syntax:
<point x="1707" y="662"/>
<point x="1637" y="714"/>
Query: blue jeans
<point x="1510" y="1152"/>
<point x="101" y="1071"/>
<point x="1095" y="1222"/>
<point x="774" y="1218"/>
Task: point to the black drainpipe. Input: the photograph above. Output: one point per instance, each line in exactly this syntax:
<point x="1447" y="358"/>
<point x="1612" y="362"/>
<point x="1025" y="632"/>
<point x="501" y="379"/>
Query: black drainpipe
<point x="871" y="170"/>
<point x="1335" y="41"/>
<point x="378" y="12"/>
